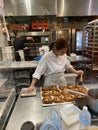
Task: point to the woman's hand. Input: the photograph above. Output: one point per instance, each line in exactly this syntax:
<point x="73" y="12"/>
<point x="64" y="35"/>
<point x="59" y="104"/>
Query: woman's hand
<point x="79" y="72"/>
<point x="29" y="89"/>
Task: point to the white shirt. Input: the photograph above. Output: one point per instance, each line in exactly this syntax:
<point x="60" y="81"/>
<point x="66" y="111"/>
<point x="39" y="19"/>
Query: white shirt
<point x="51" y="64"/>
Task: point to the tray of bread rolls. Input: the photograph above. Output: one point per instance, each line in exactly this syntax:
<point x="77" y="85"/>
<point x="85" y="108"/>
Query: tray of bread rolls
<point x="57" y="95"/>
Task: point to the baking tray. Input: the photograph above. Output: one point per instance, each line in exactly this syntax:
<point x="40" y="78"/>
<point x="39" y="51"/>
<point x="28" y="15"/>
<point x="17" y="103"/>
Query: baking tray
<point x="70" y="114"/>
<point x="52" y="104"/>
<point x="33" y="93"/>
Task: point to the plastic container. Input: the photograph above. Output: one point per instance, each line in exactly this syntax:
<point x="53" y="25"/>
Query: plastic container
<point x="84" y="119"/>
<point x="70" y="114"/>
<point x="70" y="78"/>
<point x="53" y="123"/>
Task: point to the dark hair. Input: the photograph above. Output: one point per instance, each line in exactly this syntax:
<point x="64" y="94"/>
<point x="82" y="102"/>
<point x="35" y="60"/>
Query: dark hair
<point x="60" y="44"/>
<point x="51" y="45"/>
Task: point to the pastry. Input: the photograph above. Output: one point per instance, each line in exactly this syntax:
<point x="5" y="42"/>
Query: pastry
<point x="71" y="86"/>
<point x="56" y="92"/>
<point x="69" y="98"/>
<point x="45" y="88"/>
<point x="61" y="87"/>
<point x="47" y="100"/>
<point x="58" y="99"/>
<point x="46" y="93"/>
<point x="82" y="89"/>
<point x="64" y="93"/>
<point x="53" y="88"/>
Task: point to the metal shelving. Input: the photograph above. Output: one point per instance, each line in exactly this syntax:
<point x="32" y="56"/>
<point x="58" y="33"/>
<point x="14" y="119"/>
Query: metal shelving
<point x="90" y="43"/>
<point x="41" y="38"/>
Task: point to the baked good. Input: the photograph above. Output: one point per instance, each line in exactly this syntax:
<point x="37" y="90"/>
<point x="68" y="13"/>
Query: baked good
<point x="78" y="86"/>
<point x="79" y="96"/>
<point x="71" y="86"/>
<point x="75" y="89"/>
<point x="53" y="88"/>
<point x="56" y="92"/>
<point x="47" y="100"/>
<point x="61" y="87"/>
<point x="58" y="99"/>
<point x="69" y="98"/>
<point x="46" y="93"/>
<point x="64" y="93"/>
<point x="82" y="90"/>
<point x="45" y="88"/>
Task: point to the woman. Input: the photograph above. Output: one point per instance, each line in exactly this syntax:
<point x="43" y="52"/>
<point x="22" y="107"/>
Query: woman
<point x="53" y="65"/>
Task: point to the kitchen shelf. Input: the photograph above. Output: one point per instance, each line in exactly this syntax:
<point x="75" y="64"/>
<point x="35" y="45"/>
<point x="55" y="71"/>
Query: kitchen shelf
<point x="90" y="43"/>
<point x="95" y="67"/>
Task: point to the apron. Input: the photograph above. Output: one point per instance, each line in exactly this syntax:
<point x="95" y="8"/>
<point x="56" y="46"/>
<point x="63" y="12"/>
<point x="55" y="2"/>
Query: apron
<point x="55" y="79"/>
<point x="21" y="54"/>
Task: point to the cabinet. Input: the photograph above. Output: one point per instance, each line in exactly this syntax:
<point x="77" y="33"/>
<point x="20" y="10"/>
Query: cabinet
<point x="90" y="43"/>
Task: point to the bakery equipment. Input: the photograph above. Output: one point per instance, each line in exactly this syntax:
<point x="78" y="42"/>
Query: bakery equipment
<point x="76" y="92"/>
<point x="70" y="114"/>
<point x="93" y="99"/>
<point x="81" y="80"/>
<point x="28" y="125"/>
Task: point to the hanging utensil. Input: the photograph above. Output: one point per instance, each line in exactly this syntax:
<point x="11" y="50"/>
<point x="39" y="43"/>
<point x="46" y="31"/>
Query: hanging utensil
<point x="81" y="80"/>
<point x="75" y="92"/>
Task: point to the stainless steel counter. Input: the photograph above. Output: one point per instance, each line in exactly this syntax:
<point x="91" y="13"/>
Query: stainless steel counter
<point x="31" y="64"/>
<point x="79" y="58"/>
<point x="30" y="109"/>
<point x="2" y="82"/>
<point x="7" y="98"/>
<point x="5" y="107"/>
<point x="18" y="64"/>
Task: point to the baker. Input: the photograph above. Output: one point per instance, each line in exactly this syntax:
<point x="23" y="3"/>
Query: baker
<point x="53" y="65"/>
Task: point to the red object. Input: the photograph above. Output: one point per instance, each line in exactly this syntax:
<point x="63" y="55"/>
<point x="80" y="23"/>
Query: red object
<point x="40" y="25"/>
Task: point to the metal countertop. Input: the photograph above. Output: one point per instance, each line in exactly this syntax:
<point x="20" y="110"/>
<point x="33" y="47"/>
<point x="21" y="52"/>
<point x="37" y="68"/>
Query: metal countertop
<point x="2" y="81"/>
<point x="18" y="64"/>
<point x="31" y="109"/>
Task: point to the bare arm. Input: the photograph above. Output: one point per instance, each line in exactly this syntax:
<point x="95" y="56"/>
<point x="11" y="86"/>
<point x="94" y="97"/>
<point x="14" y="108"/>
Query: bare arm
<point x="31" y="87"/>
<point x="71" y="69"/>
<point x="78" y="72"/>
